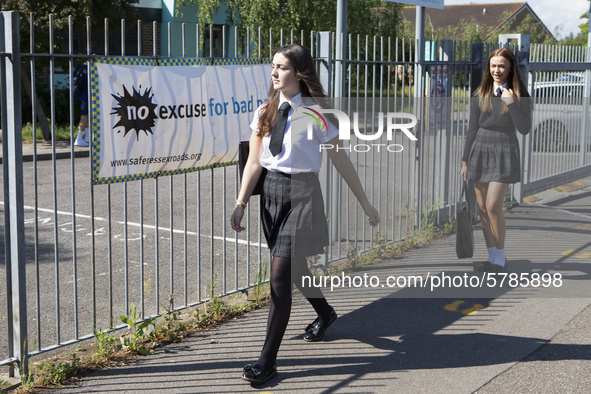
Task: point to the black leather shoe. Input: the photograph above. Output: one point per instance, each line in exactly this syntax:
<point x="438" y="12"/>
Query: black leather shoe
<point x="316" y="330"/>
<point x="317" y="320"/>
<point x="497" y="269"/>
<point x="255" y="374"/>
<point x="485" y="266"/>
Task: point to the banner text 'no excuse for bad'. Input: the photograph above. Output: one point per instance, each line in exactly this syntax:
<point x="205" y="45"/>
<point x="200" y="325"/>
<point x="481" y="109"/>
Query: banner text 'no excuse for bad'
<point x="176" y="117"/>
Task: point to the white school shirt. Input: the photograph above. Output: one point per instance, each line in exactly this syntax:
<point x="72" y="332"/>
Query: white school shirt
<point x="298" y="153"/>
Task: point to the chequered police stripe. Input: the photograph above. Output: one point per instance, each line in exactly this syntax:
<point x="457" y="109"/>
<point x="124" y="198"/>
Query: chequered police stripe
<point x="156" y="174"/>
<point x="241" y="62"/>
<point x="184" y="62"/>
<point x="134" y="61"/>
<point x="126" y="61"/>
<point x="96" y="117"/>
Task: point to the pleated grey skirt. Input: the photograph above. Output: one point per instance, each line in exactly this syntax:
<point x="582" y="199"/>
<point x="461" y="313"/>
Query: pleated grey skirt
<point x="494" y="157"/>
<point x="293" y="218"/>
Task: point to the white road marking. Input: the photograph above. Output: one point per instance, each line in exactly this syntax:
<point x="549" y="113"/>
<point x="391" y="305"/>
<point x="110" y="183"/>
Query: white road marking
<point x="132" y="224"/>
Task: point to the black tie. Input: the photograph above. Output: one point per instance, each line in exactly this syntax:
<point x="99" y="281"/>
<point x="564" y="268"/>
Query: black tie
<point x="499" y="92"/>
<point x="279" y="129"/>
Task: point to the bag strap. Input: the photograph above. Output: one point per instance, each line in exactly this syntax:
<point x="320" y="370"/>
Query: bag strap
<point x="464" y="196"/>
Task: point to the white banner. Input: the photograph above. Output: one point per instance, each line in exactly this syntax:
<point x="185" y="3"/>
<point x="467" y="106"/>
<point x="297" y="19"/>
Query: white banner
<point x="180" y="116"/>
<point x="422" y="3"/>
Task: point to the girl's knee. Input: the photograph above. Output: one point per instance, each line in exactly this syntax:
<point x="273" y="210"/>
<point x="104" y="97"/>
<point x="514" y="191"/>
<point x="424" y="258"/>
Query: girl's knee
<point x="494" y="208"/>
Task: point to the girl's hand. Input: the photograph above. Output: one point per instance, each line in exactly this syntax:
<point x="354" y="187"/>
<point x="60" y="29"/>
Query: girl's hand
<point x="464" y="171"/>
<point x="372" y="214"/>
<point x="237" y="218"/>
<point x="508" y="95"/>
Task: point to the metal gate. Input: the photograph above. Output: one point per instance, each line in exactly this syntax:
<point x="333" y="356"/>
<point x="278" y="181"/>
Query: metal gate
<point x="559" y="148"/>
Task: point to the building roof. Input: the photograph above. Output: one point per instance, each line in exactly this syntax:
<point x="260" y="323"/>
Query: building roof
<point x="488" y="16"/>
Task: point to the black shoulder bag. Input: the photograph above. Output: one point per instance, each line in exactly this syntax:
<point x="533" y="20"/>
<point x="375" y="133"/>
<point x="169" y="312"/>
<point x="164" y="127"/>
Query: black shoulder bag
<point x="243" y="152"/>
<point x="464" y="235"/>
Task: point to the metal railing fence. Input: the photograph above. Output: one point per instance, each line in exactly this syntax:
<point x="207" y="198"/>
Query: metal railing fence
<point x="90" y="251"/>
<point x="559" y="146"/>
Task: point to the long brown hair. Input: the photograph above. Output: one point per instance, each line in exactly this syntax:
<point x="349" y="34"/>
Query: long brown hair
<point x="310" y="86"/>
<point x="486" y="89"/>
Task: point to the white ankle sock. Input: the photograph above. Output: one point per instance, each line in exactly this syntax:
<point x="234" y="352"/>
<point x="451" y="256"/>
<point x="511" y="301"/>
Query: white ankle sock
<point x="500" y="257"/>
<point x="491" y="254"/>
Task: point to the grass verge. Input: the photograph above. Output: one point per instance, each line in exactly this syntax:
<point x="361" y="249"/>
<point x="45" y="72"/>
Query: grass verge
<point x="141" y="338"/>
<point x="61" y="132"/>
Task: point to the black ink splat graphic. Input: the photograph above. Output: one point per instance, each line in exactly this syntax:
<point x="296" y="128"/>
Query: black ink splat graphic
<point x="136" y="112"/>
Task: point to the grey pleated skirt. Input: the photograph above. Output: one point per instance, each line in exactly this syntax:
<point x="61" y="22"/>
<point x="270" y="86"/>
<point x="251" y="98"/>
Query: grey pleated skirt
<point x="293" y="218"/>
<point x="494" y="157"/>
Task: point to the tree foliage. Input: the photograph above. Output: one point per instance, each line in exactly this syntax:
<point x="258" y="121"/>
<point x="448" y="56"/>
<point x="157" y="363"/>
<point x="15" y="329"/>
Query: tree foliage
<point x="470" y="30"/>
<point x="39" y="11"/>
<point x="467" y="30"/>
<point x="364" y="17"/>
<point x="585" y="26"/>
<point x="578" y="40"/>
<point x="529" y="25"/>
<point x="98" y="10"/>
<point x="581" y="39"/>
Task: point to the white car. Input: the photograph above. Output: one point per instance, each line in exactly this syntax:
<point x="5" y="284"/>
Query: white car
<point x="558" y="116"/>
<point x="570" y="77"/>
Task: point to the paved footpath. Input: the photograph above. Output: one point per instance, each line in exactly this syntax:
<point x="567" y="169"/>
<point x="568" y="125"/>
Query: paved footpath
<point x="445" y="340"/>
<point x="45" y="150"/>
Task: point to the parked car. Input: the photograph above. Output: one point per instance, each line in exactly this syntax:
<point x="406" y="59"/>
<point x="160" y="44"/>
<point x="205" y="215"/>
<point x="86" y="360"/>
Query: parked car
<point x="559" y="115"/>
<point x="557" y="90"/>
<point x="570" y="77"/>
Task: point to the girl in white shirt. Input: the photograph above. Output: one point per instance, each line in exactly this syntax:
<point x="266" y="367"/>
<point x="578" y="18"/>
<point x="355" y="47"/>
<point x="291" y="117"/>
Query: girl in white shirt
<point x="293" y="215"/>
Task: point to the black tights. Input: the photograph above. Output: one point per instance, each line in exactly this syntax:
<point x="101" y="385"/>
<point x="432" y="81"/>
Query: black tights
<point x="280" y="309"/>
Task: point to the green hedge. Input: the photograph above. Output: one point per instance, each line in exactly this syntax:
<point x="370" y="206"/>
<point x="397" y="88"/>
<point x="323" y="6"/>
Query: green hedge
<point x="62" y="106"/>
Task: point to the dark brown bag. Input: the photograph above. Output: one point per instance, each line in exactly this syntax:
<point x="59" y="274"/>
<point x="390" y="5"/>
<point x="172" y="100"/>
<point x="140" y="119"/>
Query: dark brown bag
<point x="464" y="232"/>
<point x="243" y="151"/>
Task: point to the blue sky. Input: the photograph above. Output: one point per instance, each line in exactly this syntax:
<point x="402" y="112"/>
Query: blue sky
<point x="554" y="13"/>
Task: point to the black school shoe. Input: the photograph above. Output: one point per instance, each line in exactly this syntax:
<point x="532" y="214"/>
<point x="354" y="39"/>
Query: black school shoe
<point x="497" y="269"/>
<point x="316" y="330"/>
<point x="485" y="266"/>
<point x="256" y="374"/>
